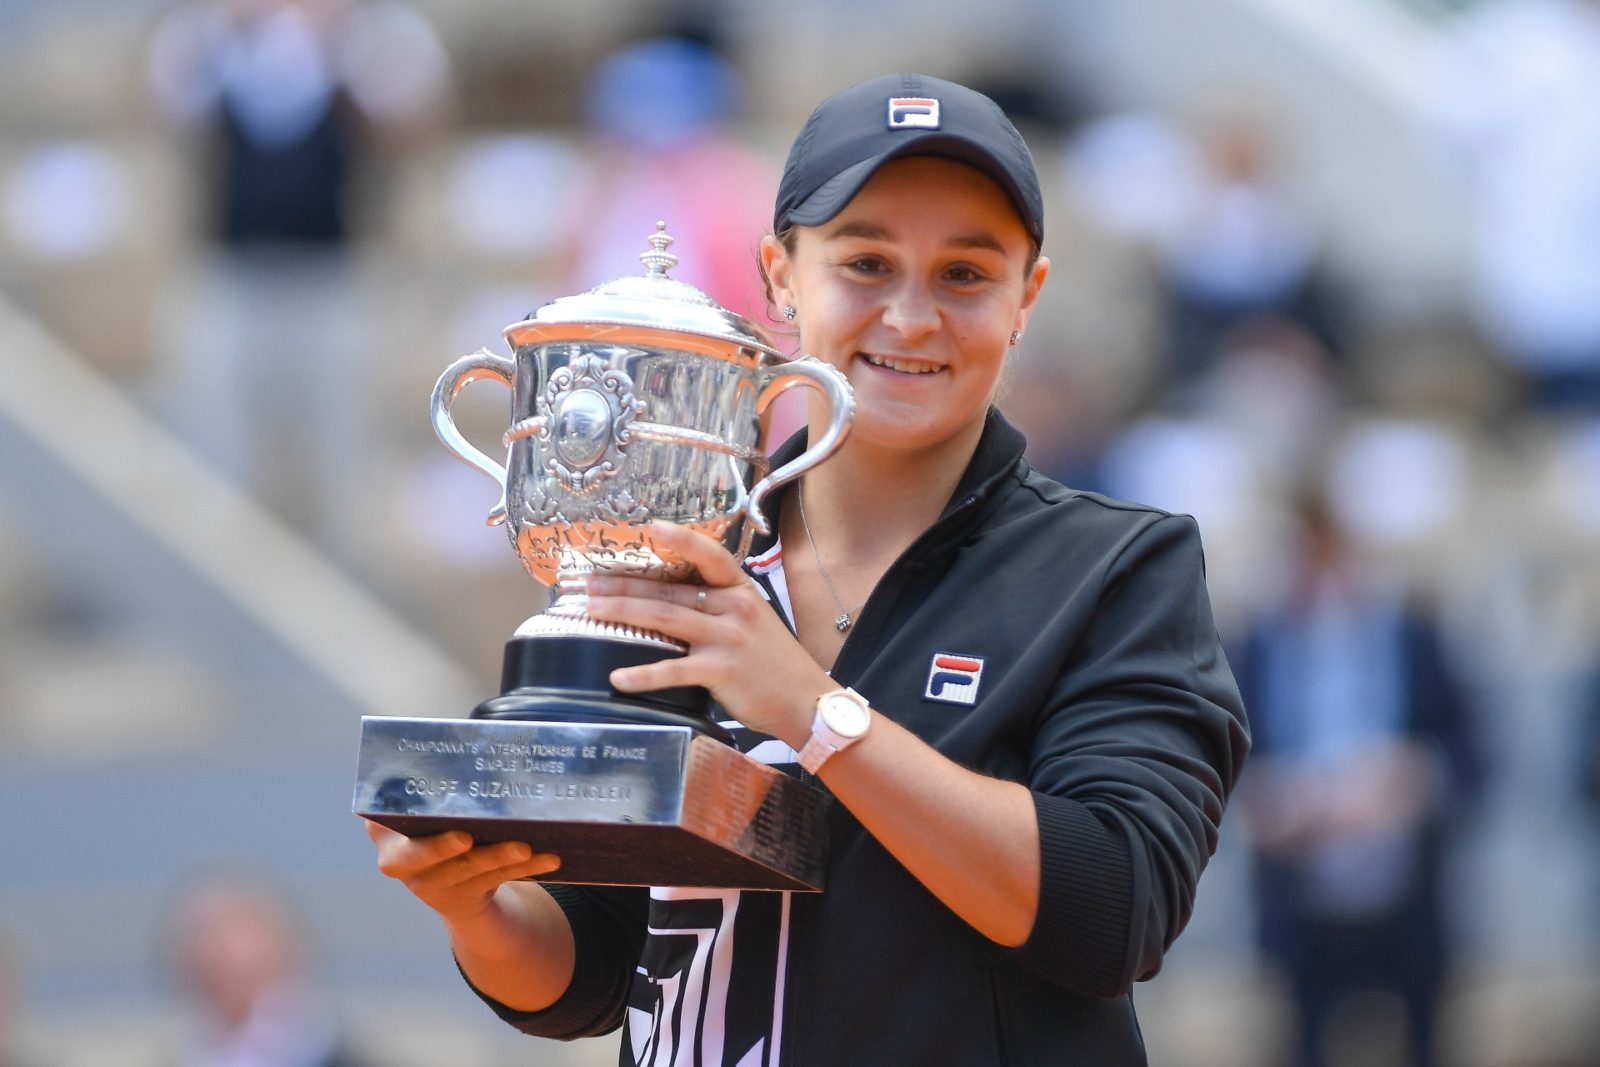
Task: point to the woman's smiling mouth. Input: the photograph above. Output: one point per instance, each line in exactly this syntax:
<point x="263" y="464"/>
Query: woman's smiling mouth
<point x="904" y="366"/>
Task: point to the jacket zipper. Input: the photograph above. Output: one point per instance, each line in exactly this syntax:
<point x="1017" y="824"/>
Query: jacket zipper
<point x="799" y="902"/>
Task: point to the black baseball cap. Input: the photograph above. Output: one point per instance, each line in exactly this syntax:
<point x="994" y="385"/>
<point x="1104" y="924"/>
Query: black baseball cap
<point x="853" y="133"/>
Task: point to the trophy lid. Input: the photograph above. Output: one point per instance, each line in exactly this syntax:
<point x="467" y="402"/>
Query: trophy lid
<point x="646" y="309"/>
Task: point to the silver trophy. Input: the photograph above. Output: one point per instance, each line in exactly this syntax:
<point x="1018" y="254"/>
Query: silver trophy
<point x="638" y="400"/>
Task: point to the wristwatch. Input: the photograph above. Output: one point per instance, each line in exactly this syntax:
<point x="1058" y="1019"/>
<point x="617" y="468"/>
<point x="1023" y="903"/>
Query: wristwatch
<point x="842" y="719"/>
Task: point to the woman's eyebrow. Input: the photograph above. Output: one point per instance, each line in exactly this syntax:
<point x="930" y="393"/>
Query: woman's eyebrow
<point x="872" y="232"/>
<point x="866" y="230"/>
<point x="978" y="240"/>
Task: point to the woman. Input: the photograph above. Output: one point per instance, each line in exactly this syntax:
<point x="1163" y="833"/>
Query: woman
<point x="1039" y="734"/>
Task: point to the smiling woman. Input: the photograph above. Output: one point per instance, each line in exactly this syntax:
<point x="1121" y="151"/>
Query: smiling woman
<point x="1013" y="689"/>
<point x="913" y="290"/>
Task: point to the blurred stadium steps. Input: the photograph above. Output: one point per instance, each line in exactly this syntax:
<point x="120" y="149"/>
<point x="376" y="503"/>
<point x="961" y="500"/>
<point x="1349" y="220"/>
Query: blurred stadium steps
<point x="181" y="679"/>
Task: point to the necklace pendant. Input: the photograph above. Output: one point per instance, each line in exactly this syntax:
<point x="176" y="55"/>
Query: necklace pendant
<point x="842" y="623"/>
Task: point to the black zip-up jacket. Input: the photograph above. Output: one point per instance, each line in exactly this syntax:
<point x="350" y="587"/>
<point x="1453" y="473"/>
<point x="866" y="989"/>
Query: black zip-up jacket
<point x="1103" y="688"/>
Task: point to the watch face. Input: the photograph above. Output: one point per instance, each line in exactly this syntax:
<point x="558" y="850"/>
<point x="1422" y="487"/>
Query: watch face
<point x="845" y="716"/>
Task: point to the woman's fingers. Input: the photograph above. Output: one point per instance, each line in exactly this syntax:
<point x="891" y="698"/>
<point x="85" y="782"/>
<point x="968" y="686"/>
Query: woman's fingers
<point x="654" y="613"/>
<point x="399" y="856"/>
<point x="662" y="674"/>
<point x="716" y="566"/>
<point x="482" y="885"/>
<point x="672" y="607"/>
<point x="498" y="859"/>
<point x="429" y="849"/>
<point x="683" y="594"/>
<point x="452" y="874"/>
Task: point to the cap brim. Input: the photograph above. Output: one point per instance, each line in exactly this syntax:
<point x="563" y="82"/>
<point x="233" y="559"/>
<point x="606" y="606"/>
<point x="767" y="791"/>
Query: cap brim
<point x="832" y="195"/>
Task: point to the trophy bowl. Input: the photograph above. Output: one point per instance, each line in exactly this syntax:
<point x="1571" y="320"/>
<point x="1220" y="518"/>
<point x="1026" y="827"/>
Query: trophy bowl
<point x="640" y="400"/>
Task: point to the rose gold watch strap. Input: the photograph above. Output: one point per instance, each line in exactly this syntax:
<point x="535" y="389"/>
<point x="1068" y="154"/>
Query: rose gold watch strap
<point x="815" y="753"/>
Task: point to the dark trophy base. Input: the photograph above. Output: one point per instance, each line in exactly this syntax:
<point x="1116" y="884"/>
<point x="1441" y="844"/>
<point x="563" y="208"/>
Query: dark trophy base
<point x="567" y="679"/>
<point x="627" y="789"/>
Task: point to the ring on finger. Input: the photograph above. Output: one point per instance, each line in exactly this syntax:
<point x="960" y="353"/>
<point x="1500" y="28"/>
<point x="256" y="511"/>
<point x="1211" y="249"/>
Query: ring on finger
<point x="700" y="599"/>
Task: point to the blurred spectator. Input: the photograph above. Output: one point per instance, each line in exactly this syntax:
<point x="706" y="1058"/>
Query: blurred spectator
<point x="267" y="377"/>
<point x="1231" y="239"/>
<point x="661" y="112"/>
<point x="67" y="201"/>
<point x="1209" y="468"/>
<point x="1363" y="757"/>
<point x="1273" y="382"/>
<point x="1065" y="418"/>
<point x="282" y="85"/>
<point x="1519" y="94"/>
<point x="243" y="961"/>
<point x="1401" y="486"/>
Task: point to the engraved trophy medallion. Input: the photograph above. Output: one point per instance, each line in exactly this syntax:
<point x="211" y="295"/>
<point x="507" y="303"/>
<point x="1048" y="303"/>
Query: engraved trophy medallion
<point x="638" y="400"/>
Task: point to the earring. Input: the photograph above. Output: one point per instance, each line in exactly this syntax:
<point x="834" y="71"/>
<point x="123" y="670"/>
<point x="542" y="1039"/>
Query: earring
<point x="788" y="312"/>
<point x="1016" y="335"/>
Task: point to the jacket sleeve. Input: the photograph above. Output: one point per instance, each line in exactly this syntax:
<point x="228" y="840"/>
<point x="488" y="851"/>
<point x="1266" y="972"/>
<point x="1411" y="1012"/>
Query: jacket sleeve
<point x="608" y="926"/>
<point x="1134" y="756"/>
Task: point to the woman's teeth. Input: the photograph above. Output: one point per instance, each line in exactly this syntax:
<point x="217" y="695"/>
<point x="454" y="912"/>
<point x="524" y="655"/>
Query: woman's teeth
<point x="903" y="366"/>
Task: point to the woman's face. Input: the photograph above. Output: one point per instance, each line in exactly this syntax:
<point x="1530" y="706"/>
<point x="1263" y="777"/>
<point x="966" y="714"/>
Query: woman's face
<point x="913" y="291"/>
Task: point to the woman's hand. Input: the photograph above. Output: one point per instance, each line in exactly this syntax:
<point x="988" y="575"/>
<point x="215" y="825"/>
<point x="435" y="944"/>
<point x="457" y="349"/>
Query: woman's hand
<point x="738" y="646"/>
<point x="450" y="874"/>
<point x="510" y="938"/>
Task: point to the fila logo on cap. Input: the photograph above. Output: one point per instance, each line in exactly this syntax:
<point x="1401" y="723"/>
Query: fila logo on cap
<point x="954" y="679"/>
<point x="913" y="113"/>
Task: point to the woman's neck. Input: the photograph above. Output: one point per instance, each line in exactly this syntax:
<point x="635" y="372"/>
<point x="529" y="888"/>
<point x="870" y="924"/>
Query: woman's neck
<point x="866" y="500"/>
<point x="859" y="511"/>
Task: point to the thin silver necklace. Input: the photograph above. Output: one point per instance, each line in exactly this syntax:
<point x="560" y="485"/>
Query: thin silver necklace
<point x="844" y="621"/>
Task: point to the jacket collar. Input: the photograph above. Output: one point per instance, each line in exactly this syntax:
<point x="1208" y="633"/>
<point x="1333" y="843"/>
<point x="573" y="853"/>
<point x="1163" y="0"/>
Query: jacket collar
<point x="999" y="451"/>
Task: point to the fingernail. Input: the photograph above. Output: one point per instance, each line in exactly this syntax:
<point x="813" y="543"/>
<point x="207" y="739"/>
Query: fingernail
<point x="546" y="863"/>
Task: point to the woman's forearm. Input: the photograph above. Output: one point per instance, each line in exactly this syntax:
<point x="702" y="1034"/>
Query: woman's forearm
<point x="518" y="950"/>
<point x="972" y="840"/>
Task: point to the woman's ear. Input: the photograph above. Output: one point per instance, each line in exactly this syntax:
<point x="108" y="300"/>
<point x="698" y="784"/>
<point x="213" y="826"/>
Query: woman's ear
<point x="778" y="269"/>
<point x="1031" y="287"/>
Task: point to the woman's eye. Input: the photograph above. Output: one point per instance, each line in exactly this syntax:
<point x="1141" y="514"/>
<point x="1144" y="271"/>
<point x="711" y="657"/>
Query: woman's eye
<point x="963" y="275"/>
<point x="866" y="264"/>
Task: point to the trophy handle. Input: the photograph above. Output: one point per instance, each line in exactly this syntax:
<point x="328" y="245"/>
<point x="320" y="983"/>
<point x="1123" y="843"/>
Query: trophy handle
<point x="815" y="374"/>
<point x="481" y="364"/>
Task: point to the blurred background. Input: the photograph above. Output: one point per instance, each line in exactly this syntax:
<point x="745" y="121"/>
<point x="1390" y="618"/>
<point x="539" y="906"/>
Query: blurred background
<point x="1327" y="276"/>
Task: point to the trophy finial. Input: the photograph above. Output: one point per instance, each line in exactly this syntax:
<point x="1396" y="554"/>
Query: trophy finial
<point x="658" y="260"/>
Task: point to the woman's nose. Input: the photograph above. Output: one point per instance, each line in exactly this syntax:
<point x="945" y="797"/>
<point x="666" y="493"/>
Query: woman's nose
<point x="911" y="311"/>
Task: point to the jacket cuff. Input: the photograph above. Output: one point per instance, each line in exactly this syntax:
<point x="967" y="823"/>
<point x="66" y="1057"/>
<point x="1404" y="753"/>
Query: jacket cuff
<point x="1080" y="935"/>
<point x="593" y="1002"/>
